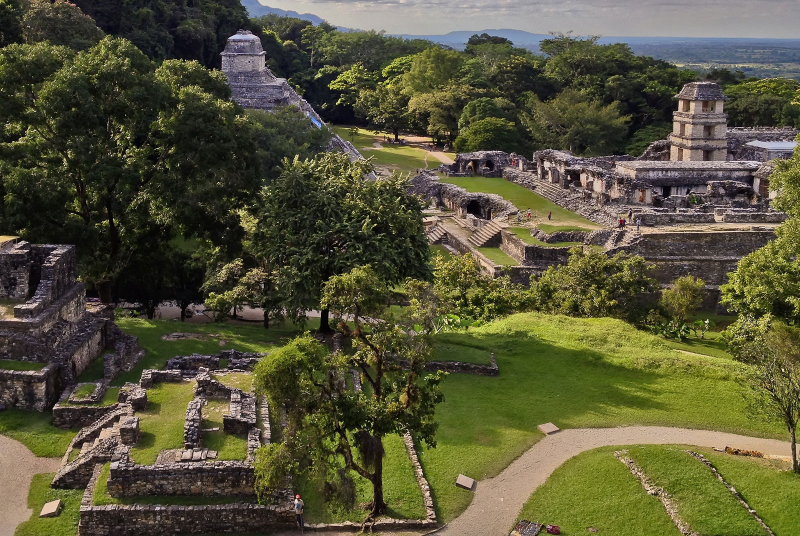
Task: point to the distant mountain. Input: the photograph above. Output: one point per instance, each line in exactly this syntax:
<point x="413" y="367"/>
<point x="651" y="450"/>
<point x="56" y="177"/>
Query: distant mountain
<point x="256" y="9"/>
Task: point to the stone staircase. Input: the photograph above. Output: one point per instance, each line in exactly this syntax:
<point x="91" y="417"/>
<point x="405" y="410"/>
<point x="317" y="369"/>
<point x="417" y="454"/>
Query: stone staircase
<point x="435" y="234"/>
<point x="486" y="234"/>
<point x="613" y="240"/>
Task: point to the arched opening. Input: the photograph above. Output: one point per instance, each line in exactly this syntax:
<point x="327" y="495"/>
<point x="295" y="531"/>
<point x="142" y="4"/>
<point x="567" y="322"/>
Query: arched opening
<point x="488" y="165"/>
<point x="473" y="166"/>
<point x="474" y="208"/>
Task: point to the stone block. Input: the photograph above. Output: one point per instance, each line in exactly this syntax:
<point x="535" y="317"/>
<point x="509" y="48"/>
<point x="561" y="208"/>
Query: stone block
<point x="465" y="482"/>
<point x="134" y="395"/>
<point x="51" y="509"/>
<point x="129" y="431"/>
<point x="548" y="428"/>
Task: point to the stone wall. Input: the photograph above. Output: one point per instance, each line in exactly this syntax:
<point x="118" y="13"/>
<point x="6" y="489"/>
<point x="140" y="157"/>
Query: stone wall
<point x="29" y="389"/>
<point x="241" y="414"/>
<point x="538" y="257"/>
<point x="15" y="271"/>
<point x="207" y="479"/>
<point x="150" y="377"/>
<point x="191" y="424"/>
<point x="69" y="416"/>
<point x="465" y="368"/>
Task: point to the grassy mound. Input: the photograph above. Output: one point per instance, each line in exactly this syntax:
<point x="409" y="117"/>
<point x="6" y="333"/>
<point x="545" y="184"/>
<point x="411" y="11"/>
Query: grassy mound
<point x="575" y="373"/>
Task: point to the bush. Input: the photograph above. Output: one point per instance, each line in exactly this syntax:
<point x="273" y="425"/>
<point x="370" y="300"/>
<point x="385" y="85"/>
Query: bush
<point x="683" y="298"/>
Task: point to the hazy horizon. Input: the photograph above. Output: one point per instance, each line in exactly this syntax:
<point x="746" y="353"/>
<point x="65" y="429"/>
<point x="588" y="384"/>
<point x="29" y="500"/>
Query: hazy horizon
<point x="629" y="18"/>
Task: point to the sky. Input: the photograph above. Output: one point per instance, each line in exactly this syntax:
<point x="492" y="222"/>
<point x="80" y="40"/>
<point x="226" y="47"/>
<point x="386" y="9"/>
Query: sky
<point x="668" y="18"/>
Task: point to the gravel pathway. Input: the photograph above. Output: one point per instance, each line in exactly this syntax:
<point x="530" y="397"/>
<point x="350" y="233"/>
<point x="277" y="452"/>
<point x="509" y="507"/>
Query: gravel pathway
<point x="499" y="500"/>
<point x="17" y="467"/>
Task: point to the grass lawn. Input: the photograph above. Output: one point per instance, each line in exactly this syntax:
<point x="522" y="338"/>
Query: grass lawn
<point x="228" y="446"/>
<point x="712" y="345"/>
<point x="575" y="373"/>
<point x="702" y="501"/>
<point x="94" y="372"/>
<point x="524" y="234"/>
<point x="7" y="364"/>
<point x="111" y="396"/>
<point x="522" y="198"/>
<point x="84" y="390"/>
<point x="401" y="492"/>
<point x="236" y="337"/>
<point x="35" y="430"/>
<point x="498" y="256"/>
<point x="449" y="347"/>
<point x="439" y="250"/>
<point x="766" y="485"/>
<point x="550" y="229"/>
<point x="239" y="380"/>
<point x="594" y="489"/>
<point x="161" y="424"/>
<point x="66" y="524"/>
<point x="395" y="157"/>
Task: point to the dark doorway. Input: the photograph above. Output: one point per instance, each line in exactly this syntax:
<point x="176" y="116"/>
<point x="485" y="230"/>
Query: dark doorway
<point x="474" y="208"/>
<point x="666" y="191"/>
<point x="488" y="165"/>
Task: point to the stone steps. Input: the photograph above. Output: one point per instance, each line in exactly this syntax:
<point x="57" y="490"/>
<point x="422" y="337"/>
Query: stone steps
<point x="436" y="234"/>
<point x="485" y="234"/>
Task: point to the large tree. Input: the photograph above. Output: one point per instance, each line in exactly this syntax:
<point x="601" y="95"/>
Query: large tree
<point x="332" y="428"/>
<point x="322" y="218"/>
<point x="60" y="23"/>
<point x="103" y="150"/>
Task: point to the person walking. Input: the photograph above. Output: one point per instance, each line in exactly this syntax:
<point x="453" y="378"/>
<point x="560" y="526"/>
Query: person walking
<point x="638" y="224"/>
<point x="529" y="214"/>
<point x="630" y="215"/>
<point x="550" y="215"/>
<point x="298" y="511"/>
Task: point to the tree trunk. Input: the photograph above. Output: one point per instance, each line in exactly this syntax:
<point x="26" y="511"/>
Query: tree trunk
<point x="324" y="324"/>
<point x="795" y="468"/>
<point x="104" y="291"/>
<point x="266" y="319"/>
<point x="396" y="135"/>
<point x="378" y="504"/>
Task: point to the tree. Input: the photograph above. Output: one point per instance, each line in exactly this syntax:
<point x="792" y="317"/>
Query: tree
<point x="594" y="285"/>
<point x="683" y="298"/>
<point x="490" y="134"/>
<point x="385" y="107"/>
<point x="773" y="351"/>
<point x="474" y="296"/>
<point x="60" y="23"/>
<point x="432" y="69"/>
<point x="768" y="102"/>
<point x="573" y="122"/>
<point x="10" y="22"/>
<point x="332" y="428"/>
<point x="139" y="156"/>
<point x="321" y="218"/>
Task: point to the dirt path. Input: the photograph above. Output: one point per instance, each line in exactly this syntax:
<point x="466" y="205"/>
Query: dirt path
<point x="17" y="467"/>
<point x="499" y="500"/>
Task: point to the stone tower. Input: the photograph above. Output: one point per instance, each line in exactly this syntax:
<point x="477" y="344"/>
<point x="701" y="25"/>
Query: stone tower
<point x="252" y="84"/>
<point x="700" y="126"/>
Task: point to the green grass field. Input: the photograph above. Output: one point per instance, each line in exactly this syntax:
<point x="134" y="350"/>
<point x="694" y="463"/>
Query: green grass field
<point x="393" y="157"/>
<point x="522" y="198"/>
<point x="35" y="430"/>
<point x="712" y="345"/>
<point x="575" y="373"/>
<point x="550" y="229"/>
<point x="594" y="489"/>
<point x="6" y="364"/>
<point x="498" y="256"/>
<point x="161" y="423"/>
<point x="228" y="446"/>
<point x="66" y="524"/>
<point x="702" y="501"/>
<point x="524" y="234"/>
<point x="449" y="347"/>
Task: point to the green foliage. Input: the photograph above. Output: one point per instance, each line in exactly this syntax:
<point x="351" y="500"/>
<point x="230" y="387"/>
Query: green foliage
<point x="10" y="22"/>
<point x="489" y="134"/>
<point x="642" y="138"/>
<point x="767" y="281"/>
<point x="321" y="218"/>
<point x="121" y="170"/>
<point x="7" y="364"/>
<point x="60" y="23"/>
<point x="683" y="298"/>
<point x="473" y="295"/>
<point x="594" y="284"/>
<point x="331" y="428"/>
<point x="574" y="122"/>
<point x="768" y="102"/>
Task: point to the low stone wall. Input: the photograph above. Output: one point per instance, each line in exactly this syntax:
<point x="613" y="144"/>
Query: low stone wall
<point x="465" y="368"/>
<point x="210" y="388"/>
<point x="754" y="217"/>
<point x="193" y="362"/>
<point x="538" y="257"/>
<point x="651" y="219"/>
<point x="191" y="425"/>
<point x="29" y="389"/>
<point x="151" y="377"/>
<point x="207" y="479"/>
<point x="69" y="416"/>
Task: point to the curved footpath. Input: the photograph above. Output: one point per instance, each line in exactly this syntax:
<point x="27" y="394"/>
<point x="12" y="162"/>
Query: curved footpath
<point x="499" y="500"/>
<point x="17" y="467"/>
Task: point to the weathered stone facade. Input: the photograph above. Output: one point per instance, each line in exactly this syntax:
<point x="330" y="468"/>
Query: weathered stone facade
<point x="29" y="389"/>
<point x="699" y="131"/>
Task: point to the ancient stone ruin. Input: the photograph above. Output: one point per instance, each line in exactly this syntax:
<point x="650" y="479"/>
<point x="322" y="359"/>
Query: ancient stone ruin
<point x="44" y="318"/>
